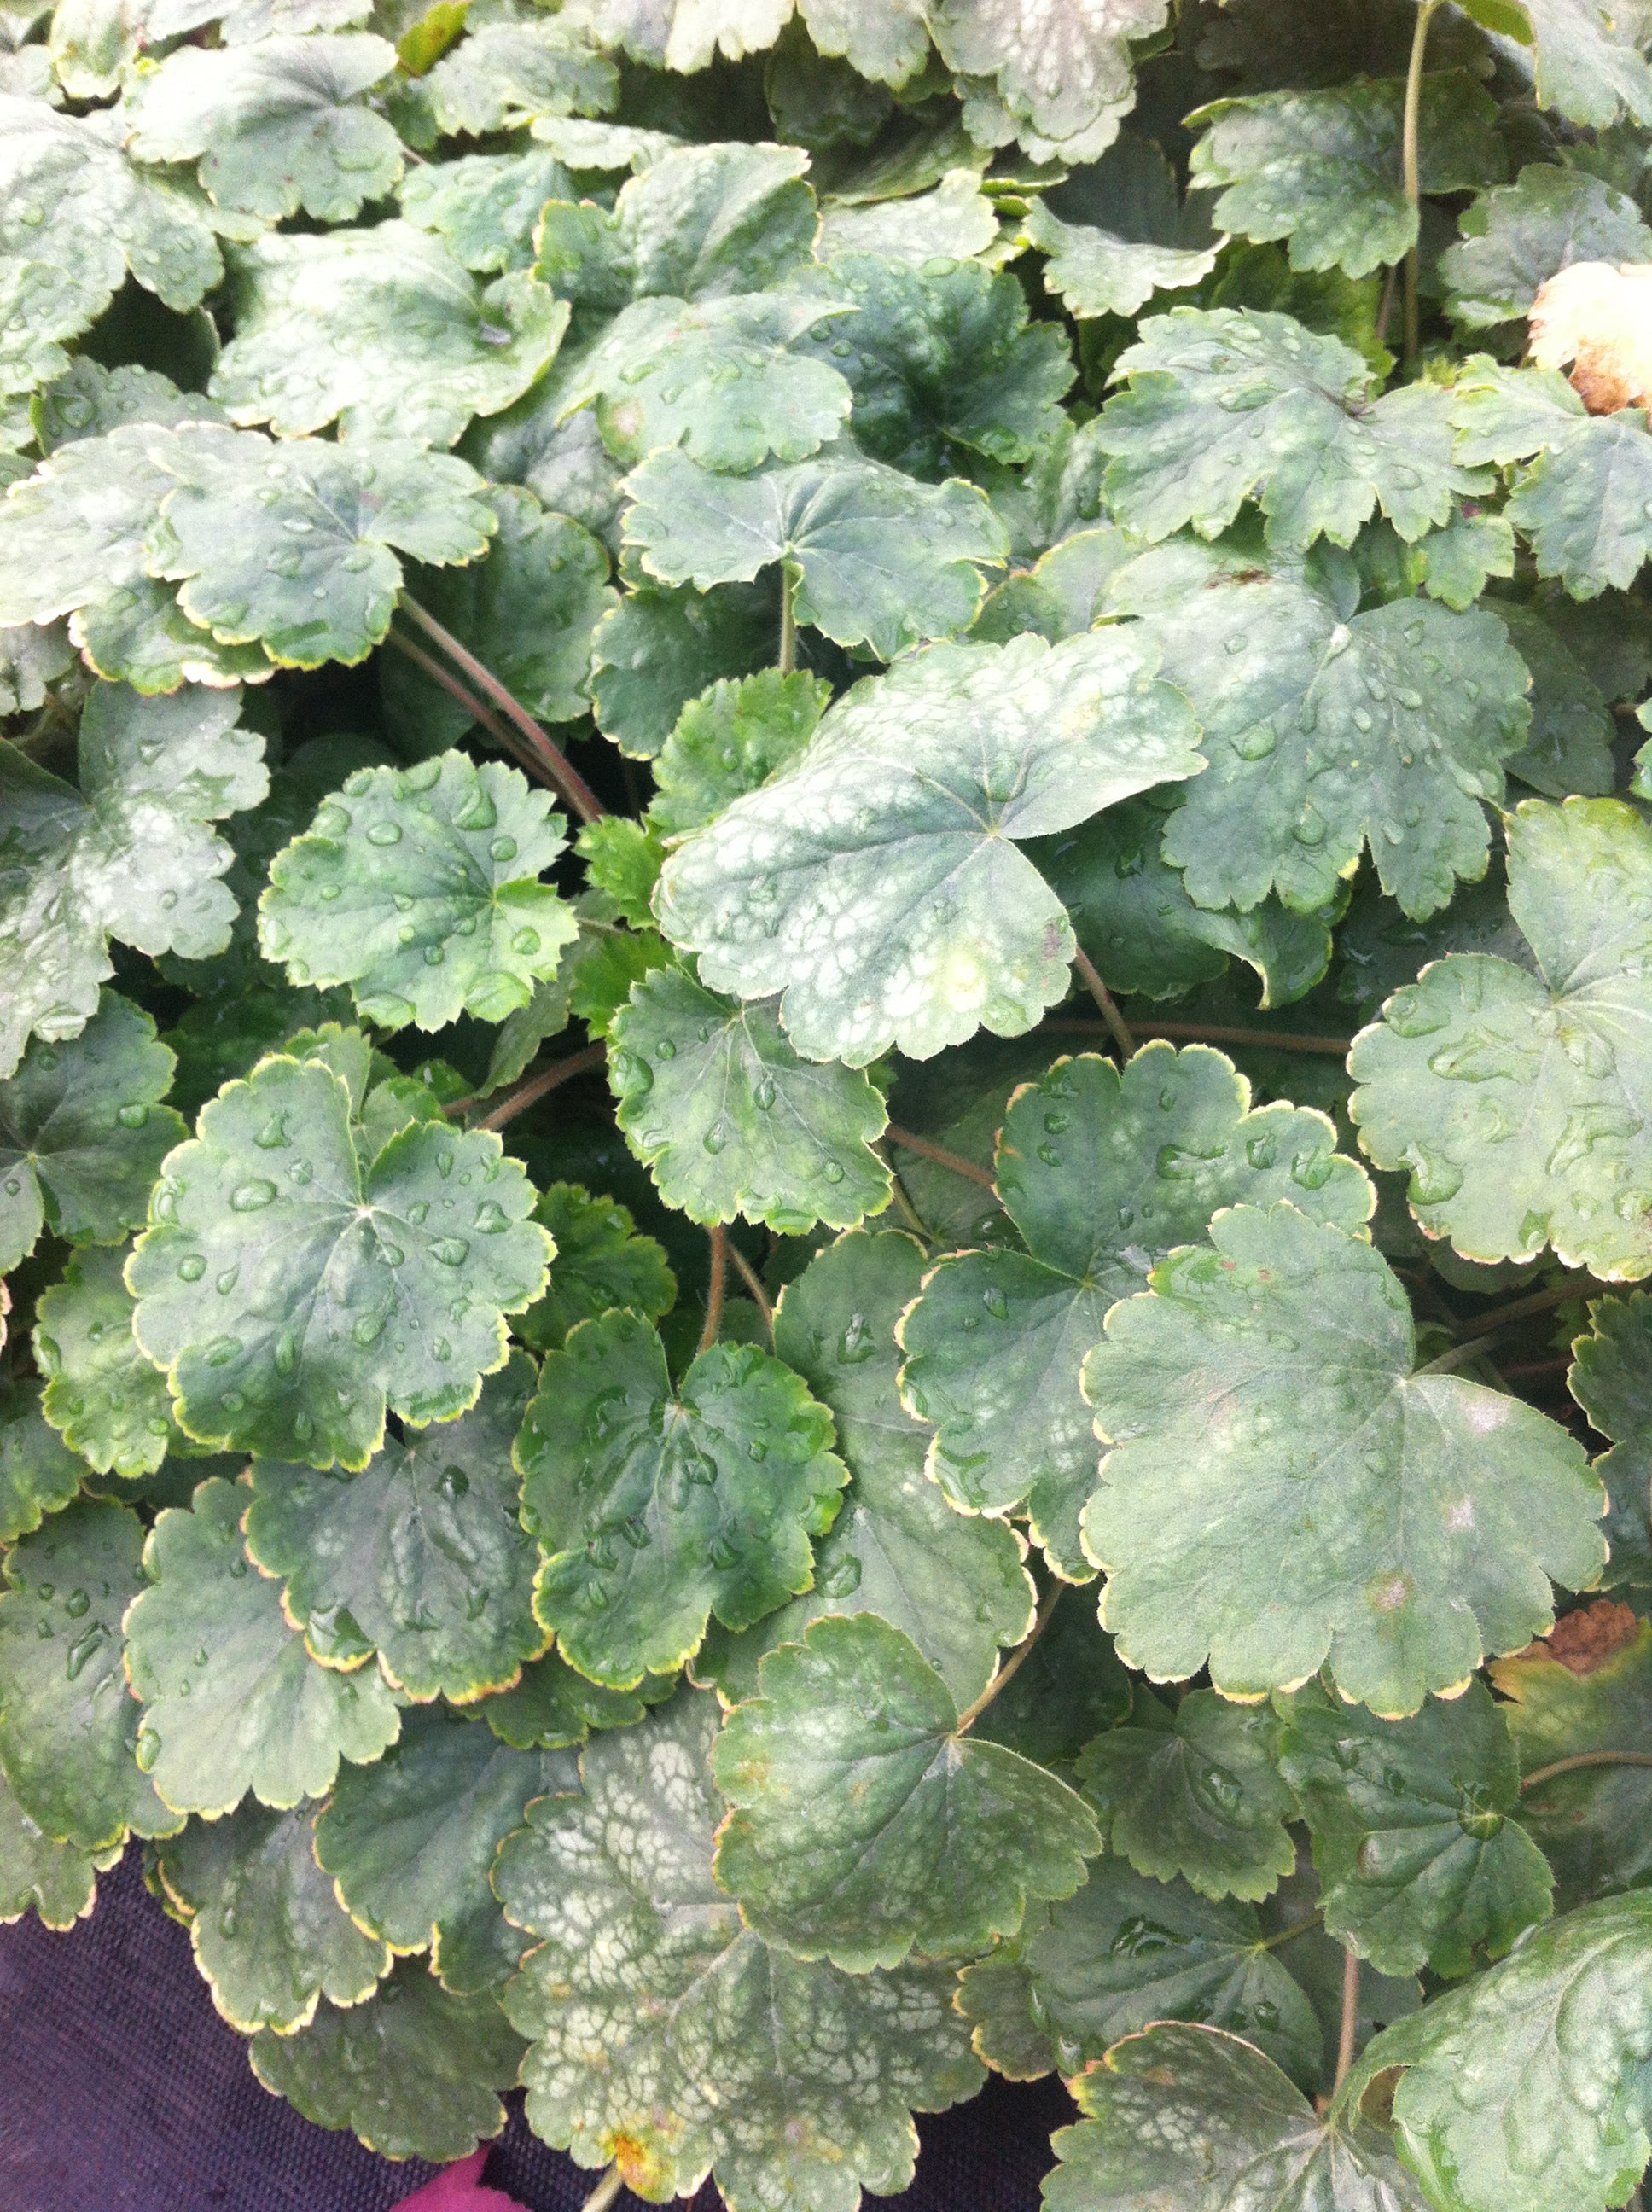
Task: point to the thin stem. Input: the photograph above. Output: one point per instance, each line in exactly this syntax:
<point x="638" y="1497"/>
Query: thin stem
<point x="718" y="1237"/>
<point x="507" y="739"/>
<point x="1218" y="1033"/>
<point x="753" y="1282"/>
<point x="1349" y="2020"/>
<point x="1390" y="288"/>
<point x="1409" y="166"/>
<point x="1118" y="1028"/>
<point x="1523" y="1309"/>
<point x="788" y="660"/>
<point x="605" y="2190"/>
<point x="562" y="772"/>
<point x="941" y="1156"/>
<point x="1581" y="1758"/>
<point x="535" y="1087"/>
<point x="1013" y="1664"/>
<point x="1283" y="1935"/>
<point x="903" y="1205"/>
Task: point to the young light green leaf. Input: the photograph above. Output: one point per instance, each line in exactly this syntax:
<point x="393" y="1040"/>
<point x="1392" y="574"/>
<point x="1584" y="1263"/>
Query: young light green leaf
<point x="681" y="2045"/>
<point x="1226" y="406"/>
<point x="730" y="1121"/>
<point x="503" y="76"/>
<point x="877" y="559"/>
<point x="956" y="1588"/>
<point x="486" y="207"/>
<point x="1196" y="1790"/>
<point x="601" y="1264"/>
<point x="1097" y="272"/>
<point x="413" y="2071"/>
<point x="82" y="1132"/>
<point x="1323" y="168"/>
<point x="1584" y="505"/>
<point x="953" y="222"/>
<point x="1062" y="73"/>
<point x="1516" y="1099"/>
<point x="349" y="1287"/>
<point x="91" y="400"/>
<point x="1457" y="562"/>
<point x="39" y="1474"/>
<point x="421" y="1558"/>
<point x="730" y="740"/>
<point x="256" y="1713"/>
<point x="1284" y="1490"/>
<point x="130" y="856"/>
<point x="1608" y="1378"/>
<point x="1419" y="1858"/>
<point x="269" y="1935"/>
<point x="1514" y="238"/>
<point x="1194" y="2116"/>
<point x="102" y="1393"/>
<point x="659" y="649"/>
<point x="306" y="569"/>
<point x="874" y="883"/>
<point x="656" y="1508"/>
<point x="1102" y="1174"/>
<point x="381" y="329"/>
<point x="411" y="1842"/>
<point x="528" y="613"/>
<point x="420" y="888"/>
<point x="1545" y="2049"/>
<point x="57" y="1880"/>
<point x="1587" y="1688"/>
<point x="865" y="1825"/>
<point x="274" y="127"/>
<point x="1586" y="61"/>
<point x="68" y="1729"/>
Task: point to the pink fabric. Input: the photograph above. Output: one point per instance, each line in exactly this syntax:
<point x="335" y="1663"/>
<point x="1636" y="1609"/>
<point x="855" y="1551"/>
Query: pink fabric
<point x="458" y="2188"/>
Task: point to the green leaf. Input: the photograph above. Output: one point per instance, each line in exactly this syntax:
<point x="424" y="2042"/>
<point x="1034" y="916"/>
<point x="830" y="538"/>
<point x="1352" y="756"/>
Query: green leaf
<point x="59" y="1881"/>
<point x="1193" y="2117"/>
<point x="1587" y="1689"/>
<point x="730" y="1121"/>
<point x="702" y="222"/>
<point x="1323" y="168"/>
<point x="601" y="1263"/>
<point x="874" y="883"/>
<point x="1583" y="506"/>
<point x="256" y="1712"/>
<point x="1328" y="737"/>
<point x="878" y="559"/>
<point x="956" y="1588"/>
<point x="527" y="612"/>
<point x="1127" y="1950"/>
<point x="1065" y="1688"/>
<point x="80" y="219"/>
<point x="421" y="1558"/>
<point x="996" y="1997"/>
<point x="1503" y="415"/>
<point x="1513" y="239"/>
<point x="659" y="649"/>
<point x="130" y="855"/>
<point x="486" y="207"/>
<point x="90" y="400"/>
<point x="82" y="1132"/>
<point x="865" y="1825"/>
<point x="39" y="1474"/>
<point x="74" y="540"/>
<point x="1063" y="73"/>
<point x="1570" y="748"/>
<point x="1064" y="590"/>
<point x="622" y="859"/>
<point x="953" y="222"/>
<point x="1514" y="1098"/>
<point x="411" y="1840"/>
<point x="1284" y="1490"/>
<point x="1421" y="1860"/>
<point x="420" y="888"/>
<point x="269" y="1935"/>
<point x="1097" y="272"/>
<point x="275" y="127"/>
<point x="68" y="1729"/>
<point x="1584" y="65"/>
<point x="1544" y="2050"/>
<point x="656" y="1508"/>
<point x="1103" y="1175"/>
<point x="555" y="1708"/>
<point x="346" y="1278"/>
<point x="1608" y="1380"/>
<point x="1226" y="406"/>
<point x="681" y="2045"/>
<point x="1195" y="1790"/>
<point x="939" y="357"/>
<point x="1457" y="562"/>
<point x="308" y="573"/>
<point x="382" y="329"/>
<point x="502" y="75"/>
<point x="413" y="2071"/>
<point x="731" y="740"/>
<point x="109" y="1403"/>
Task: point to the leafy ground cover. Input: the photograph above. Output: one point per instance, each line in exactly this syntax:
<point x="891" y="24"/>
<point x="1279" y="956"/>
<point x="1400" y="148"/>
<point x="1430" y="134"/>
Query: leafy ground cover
<point x="826" y="1071"/>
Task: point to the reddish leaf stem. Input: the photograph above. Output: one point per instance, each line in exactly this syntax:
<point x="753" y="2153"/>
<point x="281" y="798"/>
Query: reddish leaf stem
<point x="535" y="1087"/>
<point x="1118" y="1028"/>
<point x="1581" y="1758"/>
<point x="1013" y="1664"/>
<point x="1350" y="2019"/>
<point x="753" y="1282"/>
<point x="1219" y="1033"/>
<point x="941" y="1156"/>
<point x="718" y="1237"/>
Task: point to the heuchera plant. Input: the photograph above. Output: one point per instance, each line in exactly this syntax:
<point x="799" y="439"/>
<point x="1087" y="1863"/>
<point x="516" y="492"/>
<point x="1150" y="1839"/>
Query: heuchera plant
<point x="826" y="1071"/>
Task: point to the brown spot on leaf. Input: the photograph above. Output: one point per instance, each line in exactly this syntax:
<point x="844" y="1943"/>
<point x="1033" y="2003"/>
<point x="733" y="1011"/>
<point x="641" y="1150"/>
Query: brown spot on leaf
<point x="1587" y="1639"/>
<point x="1599" y="319"/>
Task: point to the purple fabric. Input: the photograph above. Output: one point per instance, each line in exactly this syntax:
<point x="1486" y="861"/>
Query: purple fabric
<point x="121" y="2090"/>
